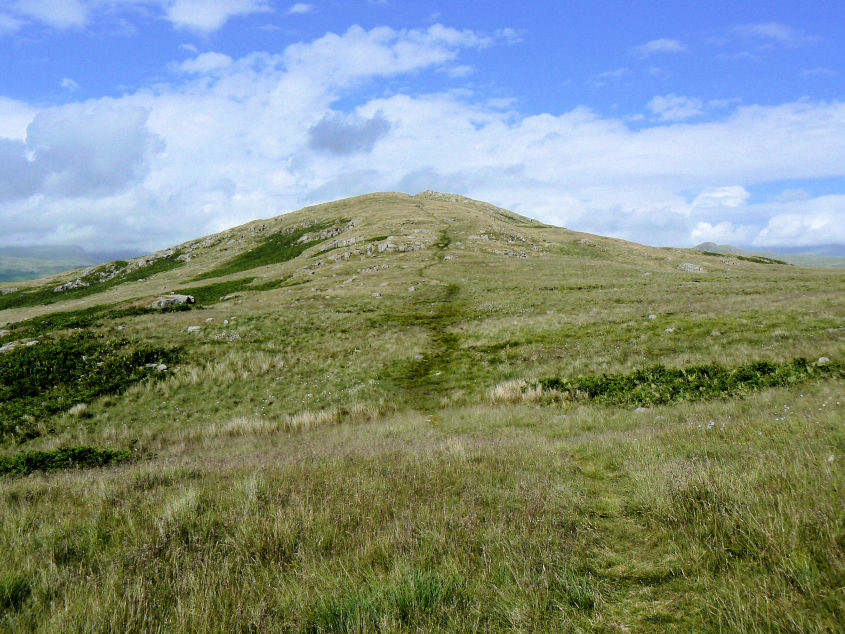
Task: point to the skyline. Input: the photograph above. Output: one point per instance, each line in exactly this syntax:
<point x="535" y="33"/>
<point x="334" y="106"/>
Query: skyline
<point x="144" y="123"/>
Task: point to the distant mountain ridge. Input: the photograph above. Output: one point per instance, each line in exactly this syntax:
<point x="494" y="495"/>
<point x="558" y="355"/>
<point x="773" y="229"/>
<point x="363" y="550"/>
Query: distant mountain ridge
<point x="19" y="263"/>
<point x="823" y="257"/>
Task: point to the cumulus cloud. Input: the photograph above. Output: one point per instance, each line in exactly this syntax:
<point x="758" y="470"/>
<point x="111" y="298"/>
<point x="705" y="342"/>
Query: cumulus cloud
<point x="78" y="150"/>
<point x="300" y="8"/>
<point x="662" y="45"/>
<point x="205" y="63"/>
<point x="262" y="134"/>
<point x="59" y="15"/>
<point x="675" y="107"/>
<point x="68" y="84"/>
<point x="210" y="15"/>
<point x="339" y="134"/>
<point x="724" y="232"/>
<point x="197" y="15"/>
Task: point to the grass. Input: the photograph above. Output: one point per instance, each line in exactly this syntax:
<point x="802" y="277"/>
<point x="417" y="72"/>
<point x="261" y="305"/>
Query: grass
<point x="324" y="454"/>
<point x="56" y="375"/>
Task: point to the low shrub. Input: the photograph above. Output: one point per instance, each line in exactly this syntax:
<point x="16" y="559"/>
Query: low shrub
<point x="28" y="462"/>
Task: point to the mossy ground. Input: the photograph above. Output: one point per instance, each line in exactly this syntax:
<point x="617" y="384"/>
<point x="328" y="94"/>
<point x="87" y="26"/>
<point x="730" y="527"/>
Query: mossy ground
<point x="325" y="459"/>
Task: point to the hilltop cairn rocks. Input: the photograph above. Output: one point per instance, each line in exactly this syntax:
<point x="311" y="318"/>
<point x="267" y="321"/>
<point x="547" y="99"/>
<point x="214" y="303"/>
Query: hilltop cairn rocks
<point x="173" y="300"/>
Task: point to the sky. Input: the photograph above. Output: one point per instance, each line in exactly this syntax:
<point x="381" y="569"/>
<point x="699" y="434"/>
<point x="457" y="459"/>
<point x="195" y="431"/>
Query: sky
<point x="139" y="124"/>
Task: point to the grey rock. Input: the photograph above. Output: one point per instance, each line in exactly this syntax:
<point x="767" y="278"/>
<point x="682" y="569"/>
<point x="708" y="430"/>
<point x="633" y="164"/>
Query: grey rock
<point x="692" y="268"/>
<point x="670" y="330"/>
<point x="68" y="286"/>
<point x="193" y="328"/>
<point x="823" y="361"/>
<point x="173" y="300"/>
<point x="6" y="291"/>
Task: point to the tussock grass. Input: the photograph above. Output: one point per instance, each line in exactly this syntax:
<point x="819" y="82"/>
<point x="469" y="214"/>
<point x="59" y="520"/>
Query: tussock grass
<point x="300" y="422"/>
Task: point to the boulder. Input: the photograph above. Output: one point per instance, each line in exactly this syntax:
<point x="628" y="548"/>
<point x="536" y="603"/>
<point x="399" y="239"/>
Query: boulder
<point x="193" y="328"/>
<point x="173" y="300"/>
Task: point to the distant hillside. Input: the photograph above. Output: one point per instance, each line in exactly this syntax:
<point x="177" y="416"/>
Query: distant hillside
<point x="798" y="259"/>
<point x="18" y="263"/>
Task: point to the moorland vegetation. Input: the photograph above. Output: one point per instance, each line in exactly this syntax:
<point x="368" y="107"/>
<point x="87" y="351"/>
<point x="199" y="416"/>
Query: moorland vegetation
<point x="424" y="413"/>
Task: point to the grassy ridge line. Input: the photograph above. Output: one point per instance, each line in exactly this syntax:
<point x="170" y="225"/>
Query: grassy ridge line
<point x="274" y="249"/>
<point x="658" y="385"/>
<point x="28" y="462"/>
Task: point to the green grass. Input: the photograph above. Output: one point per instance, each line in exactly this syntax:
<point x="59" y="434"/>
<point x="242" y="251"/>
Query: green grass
<point x="82" y="318"/>
<point x="274" y="249"/>
<point x="27" y="462"/>
<point x="657" y="385"/>
<point x="54" y="375"/>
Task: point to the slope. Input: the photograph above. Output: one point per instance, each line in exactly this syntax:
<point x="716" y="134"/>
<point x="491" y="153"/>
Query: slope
<point x="424" y="412"/>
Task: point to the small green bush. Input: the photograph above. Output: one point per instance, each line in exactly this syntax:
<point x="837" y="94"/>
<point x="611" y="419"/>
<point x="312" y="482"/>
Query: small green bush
<point x="63" y="458"/>
<point x="658" y="384"/>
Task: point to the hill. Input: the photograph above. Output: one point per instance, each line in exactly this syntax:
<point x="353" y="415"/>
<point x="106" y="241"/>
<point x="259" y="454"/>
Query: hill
<point x="26" y="263"/>
<point x="398" y="412"/>
<point x="797" y="258"/>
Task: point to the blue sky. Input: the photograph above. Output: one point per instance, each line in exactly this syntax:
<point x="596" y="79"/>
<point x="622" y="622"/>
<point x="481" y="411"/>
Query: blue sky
<point x="141" y="123"/>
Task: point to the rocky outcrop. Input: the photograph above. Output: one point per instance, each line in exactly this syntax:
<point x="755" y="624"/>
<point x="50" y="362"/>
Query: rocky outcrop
<point x="690" y="267"/>
<point x="173" y="300"/>
<point x="69" y="286"/>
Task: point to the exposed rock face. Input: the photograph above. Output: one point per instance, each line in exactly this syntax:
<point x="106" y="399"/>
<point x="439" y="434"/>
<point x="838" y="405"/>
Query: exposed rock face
<point x="69" y="286"/>
<point x="173" y="300"/>
<point x="688" y="266"/>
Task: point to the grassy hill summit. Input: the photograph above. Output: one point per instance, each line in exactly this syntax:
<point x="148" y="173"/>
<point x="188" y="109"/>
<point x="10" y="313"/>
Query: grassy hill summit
<point x="423" y="413"/>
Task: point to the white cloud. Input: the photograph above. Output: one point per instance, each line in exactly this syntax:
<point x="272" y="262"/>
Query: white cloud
<point x="90" y="150"/>
<point x="205" y="63"/>
<point x="232" y="140"/>
<point x="731" y="196"/>
<point x="818" y="72"/>
<point x="198" y="15"/>
<point x="8" y="24"/>
<point x="773" y="33"/>
<point x="722" y="233"/>
<point x="662" y="45"/>
<point x="68" y="84"/>
<point x="300" y="8"/>
<point x="14" y="117"/>
<point x="806" y="223"/>
<point x="675" y="107"/>
<point x="63" y="14"/>
<point x="210" y="15"/>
